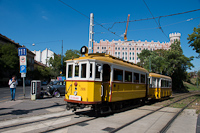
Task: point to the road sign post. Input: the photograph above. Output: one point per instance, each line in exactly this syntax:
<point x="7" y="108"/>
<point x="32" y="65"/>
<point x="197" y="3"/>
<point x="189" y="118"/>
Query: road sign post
<point x="22" y="52"/>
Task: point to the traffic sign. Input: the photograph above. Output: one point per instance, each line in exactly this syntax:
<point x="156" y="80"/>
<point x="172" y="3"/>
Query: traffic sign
<point x="22" y="51"/>
<point x="22" y="60"/>
<point x="23" y="69"/>
<point x="23" y="75"/>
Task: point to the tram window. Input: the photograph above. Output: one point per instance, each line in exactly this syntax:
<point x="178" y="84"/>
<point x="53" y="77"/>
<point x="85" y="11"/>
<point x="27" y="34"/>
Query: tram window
<point x="153" y="82"/>
<point x="118" y="75"/>
<point x="91" y="70"/>
<point x="76" y="70"/>
<point x="83" y="70"/>
<point x="163" y="83"/>
<point x="142" y="78"/>
<point x="170" y="83"/>
<point x="70" y="69"/>
<point x="136" y="77"/>
<point x="97" y="75"/>
<point x="128" y="76"/>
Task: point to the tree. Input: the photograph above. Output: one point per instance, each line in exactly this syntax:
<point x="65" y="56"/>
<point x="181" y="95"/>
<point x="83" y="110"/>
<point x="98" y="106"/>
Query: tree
<point x="55" y="64"/>
<point x="168" y="62"/>
<point x="194" y="40"/>
<point x="9" y="60"/>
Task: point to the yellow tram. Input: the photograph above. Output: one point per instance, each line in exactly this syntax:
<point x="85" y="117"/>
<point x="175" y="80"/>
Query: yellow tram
<point x="109" y="83"/>
<point x="101" y="79"/>
<point x="159" y="86"/>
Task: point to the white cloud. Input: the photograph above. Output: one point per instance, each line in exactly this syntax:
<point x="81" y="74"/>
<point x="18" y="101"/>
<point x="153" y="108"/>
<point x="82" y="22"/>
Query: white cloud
<point x="45" y="17"/>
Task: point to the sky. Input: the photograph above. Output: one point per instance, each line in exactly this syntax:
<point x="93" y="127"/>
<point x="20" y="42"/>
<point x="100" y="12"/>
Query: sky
<point x="46" y="22"/>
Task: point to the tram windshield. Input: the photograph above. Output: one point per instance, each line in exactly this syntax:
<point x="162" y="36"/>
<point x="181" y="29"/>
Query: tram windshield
<point x="84" y="70"/>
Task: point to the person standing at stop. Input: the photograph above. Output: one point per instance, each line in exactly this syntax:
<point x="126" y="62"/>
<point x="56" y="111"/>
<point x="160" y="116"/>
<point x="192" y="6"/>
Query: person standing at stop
<point x="13" y="83"/>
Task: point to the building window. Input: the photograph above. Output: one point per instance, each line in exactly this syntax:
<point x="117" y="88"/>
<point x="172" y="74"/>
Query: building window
<point x="126" y="58"/>
<point x="118" y="53"/>
<point x="116" y="43"/>
<point x="123" y="53"/>
<point x="126" y="48"/>
<point x="140" y="48"/>
<point x="115" y="48"/>
<point x="115" y="53"/>
<point x="132" y="48"/>
<point x="130" y="53"/>
<point x="123" y="58"/>
<point x="119" y="48"/>
<point x="97" y="47"/>
<point x="133" y="58"/>
<point x="102" y="47"/>
<point x="130" y="58"/>
<point x="122" y="48"/>
<point x="133" y="53"/>
<point x="137" y="48"/>
<point x="126" y="53"/>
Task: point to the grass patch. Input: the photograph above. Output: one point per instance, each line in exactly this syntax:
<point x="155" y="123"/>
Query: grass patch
<point x="191" y="87"/>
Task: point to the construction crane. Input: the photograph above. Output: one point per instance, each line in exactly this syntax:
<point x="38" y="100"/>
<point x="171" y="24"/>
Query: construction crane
<point x="125" y="34"/>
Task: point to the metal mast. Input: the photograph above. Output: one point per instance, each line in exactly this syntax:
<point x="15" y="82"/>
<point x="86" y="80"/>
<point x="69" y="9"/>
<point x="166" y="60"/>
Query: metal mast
<point x="91" y="34"/>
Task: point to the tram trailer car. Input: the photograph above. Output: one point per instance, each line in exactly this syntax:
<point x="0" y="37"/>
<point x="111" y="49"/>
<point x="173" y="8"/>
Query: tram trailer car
<point x="160" y="86"/>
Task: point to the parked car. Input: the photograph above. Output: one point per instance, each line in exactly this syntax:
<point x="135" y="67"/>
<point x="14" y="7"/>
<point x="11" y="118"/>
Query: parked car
<point x="56" y="88"/>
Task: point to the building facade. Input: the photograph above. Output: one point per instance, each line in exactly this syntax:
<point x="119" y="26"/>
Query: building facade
<point x="43" y="56"/>
<point x="129" y="50"/>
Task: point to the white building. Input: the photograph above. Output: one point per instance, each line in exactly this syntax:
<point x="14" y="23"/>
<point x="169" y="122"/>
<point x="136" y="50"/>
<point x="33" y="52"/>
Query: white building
<point x="129" y="50"/>
<point x="43" y="56"/>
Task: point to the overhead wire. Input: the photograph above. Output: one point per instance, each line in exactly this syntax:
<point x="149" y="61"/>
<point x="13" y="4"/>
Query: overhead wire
<point x="89" y="18"/>
<point x="149" y="18"/>
<point x="155" y="20"/>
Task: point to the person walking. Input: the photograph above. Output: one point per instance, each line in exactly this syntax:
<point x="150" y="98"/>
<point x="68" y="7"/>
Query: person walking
<point x="13" y="83"/>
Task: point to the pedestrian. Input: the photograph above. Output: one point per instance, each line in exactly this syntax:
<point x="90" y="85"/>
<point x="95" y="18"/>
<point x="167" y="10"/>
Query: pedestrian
<point x="13" y="83"/>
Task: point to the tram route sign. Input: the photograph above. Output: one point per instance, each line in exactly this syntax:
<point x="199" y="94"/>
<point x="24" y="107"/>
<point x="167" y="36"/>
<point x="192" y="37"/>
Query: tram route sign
<point x="22" y="51"/>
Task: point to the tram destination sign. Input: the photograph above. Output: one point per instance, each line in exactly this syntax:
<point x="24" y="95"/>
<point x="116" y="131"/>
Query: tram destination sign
<point x="22" y="51"/>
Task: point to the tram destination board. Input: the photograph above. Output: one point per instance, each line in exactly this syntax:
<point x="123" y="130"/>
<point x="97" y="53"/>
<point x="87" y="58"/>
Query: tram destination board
<point x="22" y="51"/>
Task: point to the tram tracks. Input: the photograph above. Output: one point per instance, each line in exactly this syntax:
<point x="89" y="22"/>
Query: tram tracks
<point x="167" y="125"/>
<point x="78" y="119"/>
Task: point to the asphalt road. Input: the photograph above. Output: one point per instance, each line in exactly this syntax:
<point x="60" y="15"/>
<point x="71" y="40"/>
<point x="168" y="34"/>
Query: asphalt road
<point x="6" y="96"/>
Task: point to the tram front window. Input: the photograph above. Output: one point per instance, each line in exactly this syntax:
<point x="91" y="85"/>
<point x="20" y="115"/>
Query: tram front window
<point x="98" y="72"/>
<point x="76" y="70"/>
<point x="83" y="70"/>
<point x="70" y="69"/>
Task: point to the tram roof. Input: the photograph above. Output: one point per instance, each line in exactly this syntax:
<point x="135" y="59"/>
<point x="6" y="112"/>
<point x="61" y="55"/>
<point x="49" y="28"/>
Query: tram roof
<point x="159" y="76"/>
<point x="110" y="59"/>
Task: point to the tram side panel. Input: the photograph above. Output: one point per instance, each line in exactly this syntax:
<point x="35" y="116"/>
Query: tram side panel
<point x="127" y="91"/>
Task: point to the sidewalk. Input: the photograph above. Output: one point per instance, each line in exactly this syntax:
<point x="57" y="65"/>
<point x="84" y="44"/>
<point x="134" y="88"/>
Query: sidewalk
<point x="27" y="107"/>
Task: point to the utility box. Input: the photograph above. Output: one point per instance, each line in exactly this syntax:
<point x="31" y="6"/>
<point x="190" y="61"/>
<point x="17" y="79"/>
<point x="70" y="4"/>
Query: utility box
<point x="35" y="89"/>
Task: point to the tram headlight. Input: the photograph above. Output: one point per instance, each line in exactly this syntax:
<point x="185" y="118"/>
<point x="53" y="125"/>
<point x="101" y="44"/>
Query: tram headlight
<point x="75" y="93"/>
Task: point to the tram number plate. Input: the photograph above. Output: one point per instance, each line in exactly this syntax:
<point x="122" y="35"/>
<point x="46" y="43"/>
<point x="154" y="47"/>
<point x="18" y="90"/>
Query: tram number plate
<point x="77" y="98"/>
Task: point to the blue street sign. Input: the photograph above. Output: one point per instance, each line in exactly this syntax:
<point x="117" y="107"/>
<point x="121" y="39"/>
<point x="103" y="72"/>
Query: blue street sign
<point x="23" y="69"/>
<point x="22" y="51"/>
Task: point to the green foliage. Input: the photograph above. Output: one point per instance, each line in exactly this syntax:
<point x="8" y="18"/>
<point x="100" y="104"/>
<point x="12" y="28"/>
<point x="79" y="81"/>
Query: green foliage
<point x="55" y="64"/>
<point x="194" y="40"/>
<point x="9" y="60"/>
<point x="167" y="62"/>
<point x="72" y="53"/>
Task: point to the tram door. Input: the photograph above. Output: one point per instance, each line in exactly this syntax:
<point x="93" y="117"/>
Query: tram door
<point x="106" y="82"/>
